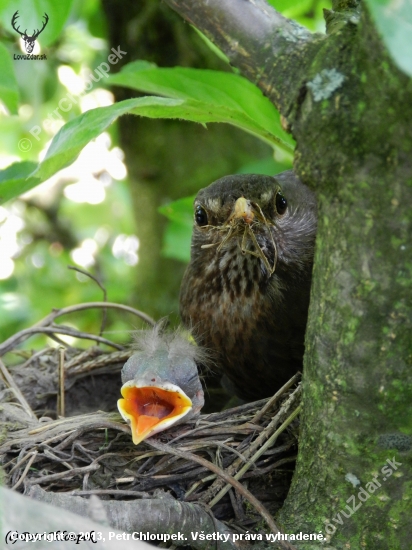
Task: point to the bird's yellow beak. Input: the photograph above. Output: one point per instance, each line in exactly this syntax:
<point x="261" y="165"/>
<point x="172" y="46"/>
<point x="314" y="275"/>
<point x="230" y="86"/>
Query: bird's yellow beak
<point x="243" y="209"/>
<point x="151" y="409"/>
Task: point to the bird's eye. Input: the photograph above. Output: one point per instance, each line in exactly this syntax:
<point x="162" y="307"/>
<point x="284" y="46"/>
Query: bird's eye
<point x="281" y="203"/>
<point x="200" y="216"/>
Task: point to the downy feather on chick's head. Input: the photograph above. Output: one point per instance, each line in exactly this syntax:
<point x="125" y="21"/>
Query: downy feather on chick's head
<point x="161" y="385"/>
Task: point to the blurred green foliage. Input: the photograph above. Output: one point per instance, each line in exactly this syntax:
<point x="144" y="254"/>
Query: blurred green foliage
<point x="305" y="12"/>
<point x="9" y="92"/>
<point x="394" y="22"/>
<point x="196" y="95"/>
<point x="208" y="96"/>
<point x="45" y="231"/>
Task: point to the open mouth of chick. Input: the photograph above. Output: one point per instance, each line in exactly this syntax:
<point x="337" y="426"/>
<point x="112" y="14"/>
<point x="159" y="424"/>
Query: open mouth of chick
<point x="151" y="409"/>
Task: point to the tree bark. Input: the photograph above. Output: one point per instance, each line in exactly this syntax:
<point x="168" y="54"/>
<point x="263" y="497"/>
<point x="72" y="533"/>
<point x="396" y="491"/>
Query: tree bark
<point x="349" y="109"/>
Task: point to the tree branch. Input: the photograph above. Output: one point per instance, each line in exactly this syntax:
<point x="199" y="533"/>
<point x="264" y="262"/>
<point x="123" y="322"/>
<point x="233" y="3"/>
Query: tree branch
<point x="269" y="49"/>
<point x="146" y="515"/>
<point x="22" y="514"/>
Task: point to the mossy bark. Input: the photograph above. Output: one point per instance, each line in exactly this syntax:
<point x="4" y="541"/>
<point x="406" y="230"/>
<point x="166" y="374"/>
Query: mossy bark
<point x="350" y="110"/>
<point x="355" y="146"/>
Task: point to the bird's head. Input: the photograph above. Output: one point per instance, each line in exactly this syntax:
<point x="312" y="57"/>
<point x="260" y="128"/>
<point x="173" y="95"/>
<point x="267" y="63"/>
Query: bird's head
<point x="268" y="221"/>
<point x="161" y="385"/>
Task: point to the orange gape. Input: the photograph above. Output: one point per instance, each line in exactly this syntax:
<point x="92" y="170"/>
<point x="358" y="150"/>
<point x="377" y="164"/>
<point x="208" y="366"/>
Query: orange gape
<point x="148" y="406"/>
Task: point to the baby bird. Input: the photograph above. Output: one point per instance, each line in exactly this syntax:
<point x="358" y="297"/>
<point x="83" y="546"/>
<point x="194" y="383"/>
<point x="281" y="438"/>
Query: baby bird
<point x="161" y="385"/>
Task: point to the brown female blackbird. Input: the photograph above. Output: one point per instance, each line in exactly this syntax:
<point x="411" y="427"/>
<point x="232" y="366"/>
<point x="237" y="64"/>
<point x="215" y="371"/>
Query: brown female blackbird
<point x="245" y="293"/>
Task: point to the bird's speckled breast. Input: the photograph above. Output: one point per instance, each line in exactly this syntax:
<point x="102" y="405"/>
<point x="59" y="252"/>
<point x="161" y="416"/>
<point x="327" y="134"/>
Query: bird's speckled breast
<point x="233" y="294"/>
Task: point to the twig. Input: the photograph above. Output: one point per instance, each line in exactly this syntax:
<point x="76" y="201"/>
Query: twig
<point x="238" y="486"/>
<point x="102" y="424"/>
<point x="11" y="342"/>
<point x="118" y="492"/>
<point x="61" y="395"/>
<point x="58" y="340"/>
<point x="35" y="356"/>
<point x="261" y="471"/>
<point x="49" y="425"/>
<point x="197" y="483"/>
<point x="12" y="384"/>
<point x="246" y="428"/>
<point x="94" y="425"/>
<point x="77" y="365"/>
<point x="125" y="479"/>
<point x="70" y="473"/>
<point x="18" y="464"/>
<point x="253" y="447"/>
<point x="206" y="443"/>
<point x="273" y="399"/>
<point x="90" y="305"/>
<point x="26" y="333"/>
<point x="258" y="453"/>
<point x="26" y="469"/>
<point x="99" y="284"/>
<point x="48" y="451"/>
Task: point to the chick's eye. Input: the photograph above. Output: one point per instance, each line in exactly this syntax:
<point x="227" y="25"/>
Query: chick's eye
<point x="200" y="216"/>
<point x="281" y="203"/>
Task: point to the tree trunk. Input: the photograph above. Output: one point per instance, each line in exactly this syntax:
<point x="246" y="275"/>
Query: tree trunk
<point x="350" y="111"/>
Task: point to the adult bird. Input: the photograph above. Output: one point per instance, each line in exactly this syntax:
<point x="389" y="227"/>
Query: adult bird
<point x="245" y="293"/>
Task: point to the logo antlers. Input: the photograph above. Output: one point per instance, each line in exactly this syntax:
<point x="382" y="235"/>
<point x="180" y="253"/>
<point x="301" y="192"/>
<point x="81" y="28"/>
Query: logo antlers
<point x="29" y="41"/>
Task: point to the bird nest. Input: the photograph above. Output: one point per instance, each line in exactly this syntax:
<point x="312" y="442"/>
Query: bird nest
<point x="236" y="463"/>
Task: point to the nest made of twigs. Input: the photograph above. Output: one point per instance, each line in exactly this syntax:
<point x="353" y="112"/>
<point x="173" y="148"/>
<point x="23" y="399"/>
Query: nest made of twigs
<point x="238" y="461"/>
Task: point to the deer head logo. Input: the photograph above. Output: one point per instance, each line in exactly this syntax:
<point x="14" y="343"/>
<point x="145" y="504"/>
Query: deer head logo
<point x="29" y="41"/>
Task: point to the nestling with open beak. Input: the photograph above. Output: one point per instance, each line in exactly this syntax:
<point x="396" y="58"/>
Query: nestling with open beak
<point x="161" y="385"/>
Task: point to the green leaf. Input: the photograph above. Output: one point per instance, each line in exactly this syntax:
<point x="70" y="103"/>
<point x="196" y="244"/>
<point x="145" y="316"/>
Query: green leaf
<point x="176" y="241"/>
<point x="73" y="136"/>
<point x="64" y="149"/>
<point x="9" y="92"/>
<point x="306" y="12"/>
<point x="208" y="96"/>
<point x="178" y="233"/>
<point x="180" y="211"/>
<point x="15" y="180"/>
<point x="177" y="237"/>
<point x="268" y="166"/>
<point x="31" y="17"/>
<point x="217" y="51"/>
<point x="394" y="22"/>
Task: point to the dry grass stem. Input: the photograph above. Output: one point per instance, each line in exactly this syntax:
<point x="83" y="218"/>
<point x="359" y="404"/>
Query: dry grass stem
<point x="257" y="455"/>
<point x="16" y="390"/>
<point x="60" y="397"/>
